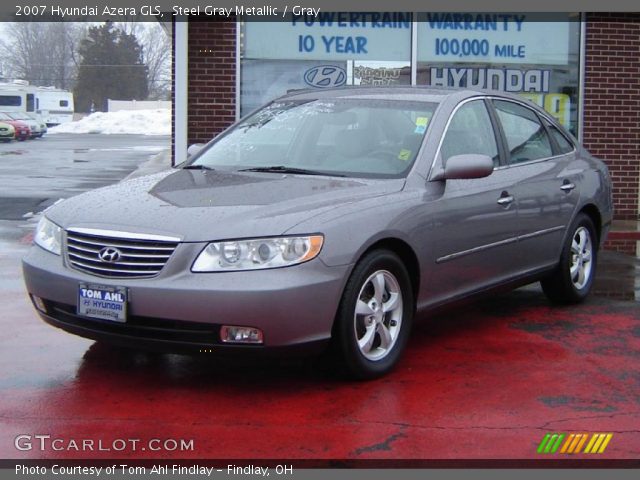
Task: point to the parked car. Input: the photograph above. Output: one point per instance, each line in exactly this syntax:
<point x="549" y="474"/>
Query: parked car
<point x="41" y="123"/>
<point x="331" y="216"/>
<point x="7" y="132"/>
<point x="22" y="130"/>
<point x="34" y="126"/>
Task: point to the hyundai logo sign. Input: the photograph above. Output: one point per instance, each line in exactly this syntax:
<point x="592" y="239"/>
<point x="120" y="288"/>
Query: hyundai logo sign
<point x="325" y="76"/>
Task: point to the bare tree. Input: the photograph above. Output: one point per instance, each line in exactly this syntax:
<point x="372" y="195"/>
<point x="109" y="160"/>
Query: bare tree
<point x="44" y="53"/>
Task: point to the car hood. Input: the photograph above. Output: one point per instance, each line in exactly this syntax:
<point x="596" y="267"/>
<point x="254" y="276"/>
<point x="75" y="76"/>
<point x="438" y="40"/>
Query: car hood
<point x="197" y="205"/>
<point x="16" y="123"/>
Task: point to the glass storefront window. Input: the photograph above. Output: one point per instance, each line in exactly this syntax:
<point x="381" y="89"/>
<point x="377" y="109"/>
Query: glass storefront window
<point x="536" y="56"/>
<point x="330" y="50"/>
<point x="533" y="55"/>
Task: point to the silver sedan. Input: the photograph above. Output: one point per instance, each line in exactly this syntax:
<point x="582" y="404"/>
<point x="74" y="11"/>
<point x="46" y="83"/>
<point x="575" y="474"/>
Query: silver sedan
<point x="328" y="217"/>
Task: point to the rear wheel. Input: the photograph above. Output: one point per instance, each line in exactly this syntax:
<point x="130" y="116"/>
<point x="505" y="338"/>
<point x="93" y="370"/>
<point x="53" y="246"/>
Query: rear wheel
<point x="572" y="280"/>
<point x="375" y="315"/>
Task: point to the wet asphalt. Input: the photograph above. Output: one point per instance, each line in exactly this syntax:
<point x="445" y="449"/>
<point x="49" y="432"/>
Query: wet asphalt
<point x="484" y="381"/>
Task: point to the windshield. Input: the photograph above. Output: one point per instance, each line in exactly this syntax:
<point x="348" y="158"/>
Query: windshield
<point x="4" y="116"/>
<point x="347" y="137"/>
<point x="17" y="116"/>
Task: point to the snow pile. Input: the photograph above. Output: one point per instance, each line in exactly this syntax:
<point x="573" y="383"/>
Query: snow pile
<point x="138" y="122"/>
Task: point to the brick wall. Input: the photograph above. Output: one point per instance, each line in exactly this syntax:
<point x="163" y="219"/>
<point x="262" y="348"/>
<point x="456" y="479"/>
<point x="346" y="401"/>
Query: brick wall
<point x="612" y="103"/>
<point x="212" y="78"/>
<point x="630" y="247"/>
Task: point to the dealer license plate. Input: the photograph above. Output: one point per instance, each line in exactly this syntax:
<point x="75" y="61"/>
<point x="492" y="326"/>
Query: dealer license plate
<point x="105" y="303"/>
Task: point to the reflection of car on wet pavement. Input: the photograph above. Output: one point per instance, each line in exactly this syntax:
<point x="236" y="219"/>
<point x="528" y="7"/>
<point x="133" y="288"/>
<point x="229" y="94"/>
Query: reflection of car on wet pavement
<point x="328" y="216"/>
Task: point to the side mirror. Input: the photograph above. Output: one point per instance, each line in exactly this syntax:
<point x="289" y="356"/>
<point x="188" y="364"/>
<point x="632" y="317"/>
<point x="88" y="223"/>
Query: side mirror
<point x="193" y="149"/>
<point x="469" y="165"/>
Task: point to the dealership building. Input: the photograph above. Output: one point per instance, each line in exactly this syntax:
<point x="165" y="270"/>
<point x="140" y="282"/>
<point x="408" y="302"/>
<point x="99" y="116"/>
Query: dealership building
<point x="584" y="69"/>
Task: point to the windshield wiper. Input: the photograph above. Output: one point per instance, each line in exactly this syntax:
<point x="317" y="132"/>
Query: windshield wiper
<point x="197" y="167"/>
<point x="283" y="169"/>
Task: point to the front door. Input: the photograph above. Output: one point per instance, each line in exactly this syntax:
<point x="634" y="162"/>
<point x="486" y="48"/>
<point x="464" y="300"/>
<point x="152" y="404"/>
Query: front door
<point x="475" y="221"/>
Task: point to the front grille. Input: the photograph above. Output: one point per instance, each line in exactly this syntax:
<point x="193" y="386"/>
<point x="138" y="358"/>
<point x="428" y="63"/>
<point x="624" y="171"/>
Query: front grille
<point x="139" y="257"/>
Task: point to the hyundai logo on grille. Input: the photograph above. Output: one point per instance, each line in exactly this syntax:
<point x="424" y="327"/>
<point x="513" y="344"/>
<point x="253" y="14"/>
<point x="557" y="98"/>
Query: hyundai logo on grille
<point x="109" y="254"/>
<point x="325" y="76"/>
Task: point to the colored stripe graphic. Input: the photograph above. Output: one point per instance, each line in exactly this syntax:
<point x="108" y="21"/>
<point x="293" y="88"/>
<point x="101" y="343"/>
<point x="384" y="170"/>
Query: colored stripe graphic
<point x="543" y="442"/>
<point x="606" y="442"/>
<point x="582" y="442"/>
<point x="594" y="437"/>
<point x="598" y="443"/>
<point x="551" y="442"/>
<point x="567" y="443"/>
<point x="574" y="442"/>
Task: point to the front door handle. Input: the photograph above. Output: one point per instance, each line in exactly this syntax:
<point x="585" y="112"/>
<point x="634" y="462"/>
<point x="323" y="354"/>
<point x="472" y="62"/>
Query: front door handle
<point x="567" y="186"/>
<point x="505" y="199"/>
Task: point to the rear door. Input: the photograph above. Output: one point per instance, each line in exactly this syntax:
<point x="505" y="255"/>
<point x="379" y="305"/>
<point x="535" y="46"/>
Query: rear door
<point x="539" y="158"/>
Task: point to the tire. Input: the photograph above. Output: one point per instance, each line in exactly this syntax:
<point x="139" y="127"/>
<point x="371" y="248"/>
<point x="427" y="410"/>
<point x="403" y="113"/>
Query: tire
<point x="377" y="277"/>
<point x="580" y="251"/>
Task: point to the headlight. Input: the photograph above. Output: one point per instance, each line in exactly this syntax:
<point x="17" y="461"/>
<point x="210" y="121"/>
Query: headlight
<point x="257" y="253"/>
<point x="48" y="235"/>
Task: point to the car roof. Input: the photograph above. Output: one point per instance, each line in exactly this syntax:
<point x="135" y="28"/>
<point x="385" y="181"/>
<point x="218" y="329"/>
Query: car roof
<point x="418" y="93"/>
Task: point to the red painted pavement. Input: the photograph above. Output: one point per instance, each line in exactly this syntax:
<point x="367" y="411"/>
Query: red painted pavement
<point x="484" y="381"/>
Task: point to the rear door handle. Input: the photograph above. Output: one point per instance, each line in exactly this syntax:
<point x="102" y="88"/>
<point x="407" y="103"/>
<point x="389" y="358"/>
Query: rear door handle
<point x="505" y="199"/>
<point x="567" y="186"/>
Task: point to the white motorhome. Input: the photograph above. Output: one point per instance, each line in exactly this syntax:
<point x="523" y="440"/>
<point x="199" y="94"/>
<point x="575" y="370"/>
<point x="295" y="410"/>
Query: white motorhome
<point x="54" y="105"/>
<point x="18" y="96"/>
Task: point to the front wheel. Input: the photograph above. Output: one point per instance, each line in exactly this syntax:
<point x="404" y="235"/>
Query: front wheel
<point x="375" y="315"/>
<point x="572" y="280"/>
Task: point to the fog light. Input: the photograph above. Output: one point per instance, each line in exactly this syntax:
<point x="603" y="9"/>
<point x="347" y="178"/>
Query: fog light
<point x="39" y="304"/>
<point x="233" y="334"/>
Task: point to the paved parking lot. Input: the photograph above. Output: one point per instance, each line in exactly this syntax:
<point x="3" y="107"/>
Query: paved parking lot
<point x="36" y="173"/>
<point x="488" y="380"/>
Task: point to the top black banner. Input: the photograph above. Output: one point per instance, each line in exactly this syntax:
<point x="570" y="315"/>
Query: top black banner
<point x="168" y="10"/>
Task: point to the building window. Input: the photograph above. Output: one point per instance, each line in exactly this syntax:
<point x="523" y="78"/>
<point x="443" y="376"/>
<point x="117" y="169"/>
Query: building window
<point x="535" y="56"/>
<point x="330" y="50"/>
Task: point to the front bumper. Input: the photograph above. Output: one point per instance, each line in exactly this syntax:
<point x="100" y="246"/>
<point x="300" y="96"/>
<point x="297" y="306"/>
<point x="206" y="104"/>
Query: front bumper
<point x="183" y="312"/>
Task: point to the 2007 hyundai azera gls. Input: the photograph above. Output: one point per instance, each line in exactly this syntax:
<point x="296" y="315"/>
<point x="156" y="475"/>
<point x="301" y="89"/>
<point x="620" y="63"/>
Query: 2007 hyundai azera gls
<point x="328" y="216"/>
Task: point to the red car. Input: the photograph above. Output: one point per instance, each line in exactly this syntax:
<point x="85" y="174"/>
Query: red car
<point x="23" y="132"/>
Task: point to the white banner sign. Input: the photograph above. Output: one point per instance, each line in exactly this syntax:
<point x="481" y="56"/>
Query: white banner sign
<point x="494" y="38"/>
<point x="333" y="36"/>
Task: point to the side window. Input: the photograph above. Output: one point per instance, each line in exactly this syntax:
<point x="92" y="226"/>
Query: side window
<point x="10" y="101"/>
<point x="30" y="102"/>
<point x="564" y="145"/>
<point x="470" y="131"/>
<point x="64" y="103"/>
<point x="526" y="137"/>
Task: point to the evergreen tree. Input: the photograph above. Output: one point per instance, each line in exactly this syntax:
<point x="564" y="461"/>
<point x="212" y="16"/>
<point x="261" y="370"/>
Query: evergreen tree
<point x="111" y="68"/>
